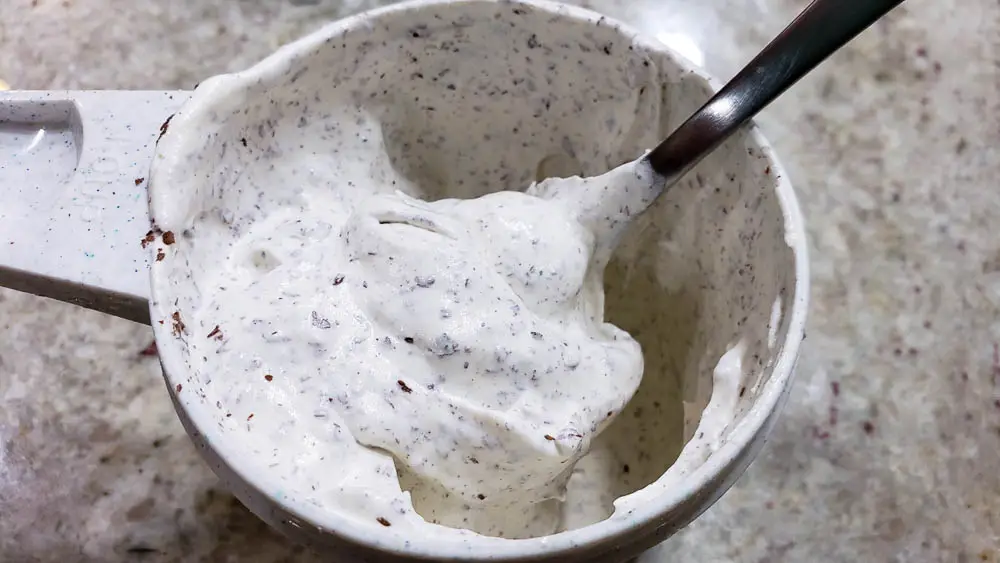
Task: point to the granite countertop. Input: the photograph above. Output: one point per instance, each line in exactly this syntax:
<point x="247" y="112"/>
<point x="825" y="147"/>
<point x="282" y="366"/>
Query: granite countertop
<point x="889" y="447"/>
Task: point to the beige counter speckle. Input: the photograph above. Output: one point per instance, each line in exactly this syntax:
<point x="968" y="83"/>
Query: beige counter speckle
<point x="890" y="444"/>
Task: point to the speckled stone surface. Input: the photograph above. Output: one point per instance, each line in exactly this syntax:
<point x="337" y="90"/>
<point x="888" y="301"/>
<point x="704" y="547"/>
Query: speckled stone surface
<point x="890" y="443"/>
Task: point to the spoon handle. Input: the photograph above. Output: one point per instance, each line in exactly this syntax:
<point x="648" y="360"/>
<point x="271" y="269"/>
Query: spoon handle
<point x="822" y="28"/>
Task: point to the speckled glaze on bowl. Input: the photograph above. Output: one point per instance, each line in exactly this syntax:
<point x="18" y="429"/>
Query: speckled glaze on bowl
<point x="720" y="260"/>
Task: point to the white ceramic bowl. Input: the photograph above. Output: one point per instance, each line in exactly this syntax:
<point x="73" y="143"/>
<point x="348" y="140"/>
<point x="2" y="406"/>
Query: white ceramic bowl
<point x="719" y="262"/>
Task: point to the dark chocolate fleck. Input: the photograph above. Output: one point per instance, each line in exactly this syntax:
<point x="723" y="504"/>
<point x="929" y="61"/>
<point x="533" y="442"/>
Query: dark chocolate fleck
<point x="178" y="324"/>
<point x="150" y="237"/>
<point x="163" y="128"/>
<point x="150" y="350"/>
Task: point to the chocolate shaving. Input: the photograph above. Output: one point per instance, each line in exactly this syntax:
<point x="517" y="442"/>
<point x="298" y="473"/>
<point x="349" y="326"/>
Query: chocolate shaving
<point x="163" y="128"/>
<point x="150" y="237"/>
<point x="179" y="325"/>
<point x="150" y="350"/>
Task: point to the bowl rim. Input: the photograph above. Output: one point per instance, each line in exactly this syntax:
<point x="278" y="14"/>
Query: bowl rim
<point x="748" y="430"/>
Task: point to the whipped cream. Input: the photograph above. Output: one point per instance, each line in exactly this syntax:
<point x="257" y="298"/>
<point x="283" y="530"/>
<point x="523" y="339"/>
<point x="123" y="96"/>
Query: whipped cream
<point x="457" y="346"/>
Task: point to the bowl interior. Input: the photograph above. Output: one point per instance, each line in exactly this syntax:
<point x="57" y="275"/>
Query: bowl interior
<point x="473" y="97"/>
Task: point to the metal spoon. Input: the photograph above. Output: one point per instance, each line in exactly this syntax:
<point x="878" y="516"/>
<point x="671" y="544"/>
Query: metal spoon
<point x="820" y="30"/>
<point x="608" y="202"/>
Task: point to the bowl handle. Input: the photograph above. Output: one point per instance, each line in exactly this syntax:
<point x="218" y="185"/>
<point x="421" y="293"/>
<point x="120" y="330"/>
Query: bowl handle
<point x="73" y="205"/>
